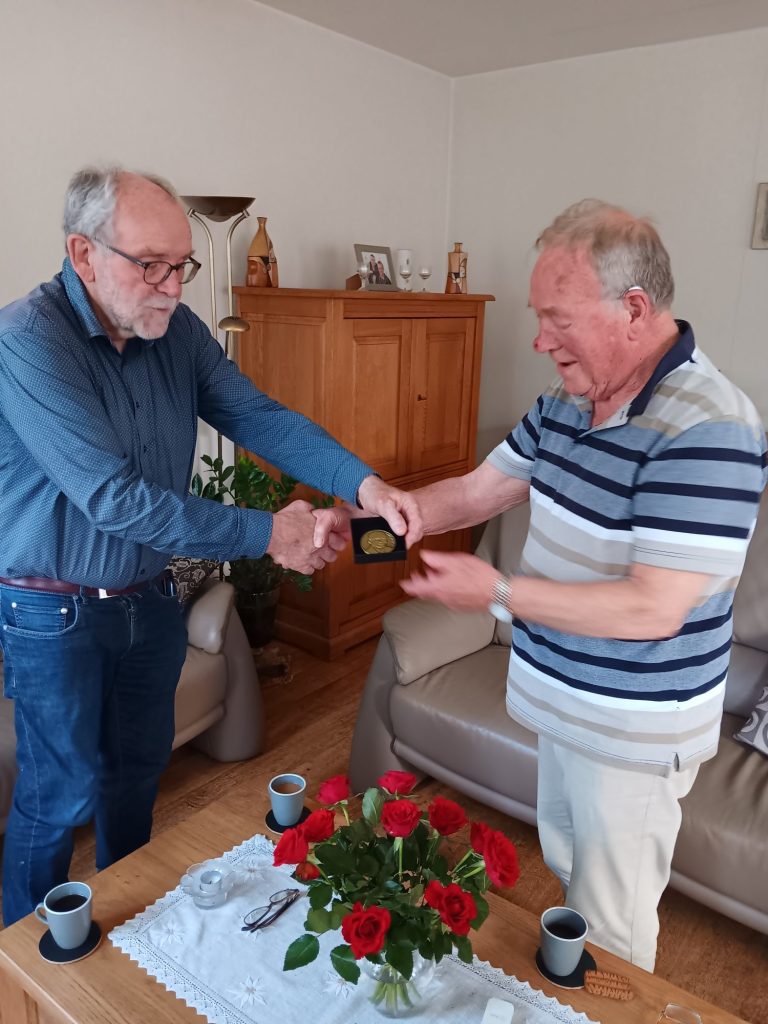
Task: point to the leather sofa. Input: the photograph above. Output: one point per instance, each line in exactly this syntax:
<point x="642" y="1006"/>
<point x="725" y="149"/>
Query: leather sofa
<point x="218" y="700"/>
<point x="434" y="703"/>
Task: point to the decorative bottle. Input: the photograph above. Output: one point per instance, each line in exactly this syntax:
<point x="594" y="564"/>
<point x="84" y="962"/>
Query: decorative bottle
<point x="262" y="262"/>
<point x="456" y="281"/>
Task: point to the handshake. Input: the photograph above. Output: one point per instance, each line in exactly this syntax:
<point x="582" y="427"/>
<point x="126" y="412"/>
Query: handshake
<point x="305" y="539"/>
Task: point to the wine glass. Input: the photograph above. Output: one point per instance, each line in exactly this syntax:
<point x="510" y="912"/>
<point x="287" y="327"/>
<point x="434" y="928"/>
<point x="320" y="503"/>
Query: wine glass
<point x="362" y="270"/>
<point x="405" y="272"/>
<point x="425" y="272"/>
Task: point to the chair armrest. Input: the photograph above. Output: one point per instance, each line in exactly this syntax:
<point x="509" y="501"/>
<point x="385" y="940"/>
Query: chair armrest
<point x="208" y="615"/>
<point x="424" y="636"/>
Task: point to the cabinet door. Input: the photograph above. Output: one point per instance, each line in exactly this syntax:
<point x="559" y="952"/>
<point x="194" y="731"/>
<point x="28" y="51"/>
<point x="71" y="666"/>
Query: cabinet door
<point x="371" y="392"/>
<point x="442" y="392"/>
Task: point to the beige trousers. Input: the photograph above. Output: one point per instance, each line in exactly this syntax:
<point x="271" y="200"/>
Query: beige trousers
<point x="609" y="835"/>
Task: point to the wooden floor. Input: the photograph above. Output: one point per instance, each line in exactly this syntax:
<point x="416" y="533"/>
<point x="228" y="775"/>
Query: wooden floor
<point x="311" y="712"/>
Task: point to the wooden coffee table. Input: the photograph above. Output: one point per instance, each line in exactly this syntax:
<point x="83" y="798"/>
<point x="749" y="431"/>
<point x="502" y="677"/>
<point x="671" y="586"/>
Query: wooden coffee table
<point x="108" y="986"/>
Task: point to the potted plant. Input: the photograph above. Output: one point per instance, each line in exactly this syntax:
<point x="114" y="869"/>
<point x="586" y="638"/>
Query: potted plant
<point x="256" y="581"/>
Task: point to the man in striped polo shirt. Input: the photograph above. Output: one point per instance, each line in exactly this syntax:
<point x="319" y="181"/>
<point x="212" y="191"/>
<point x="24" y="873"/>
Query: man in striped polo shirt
<point x="643" y="466"/>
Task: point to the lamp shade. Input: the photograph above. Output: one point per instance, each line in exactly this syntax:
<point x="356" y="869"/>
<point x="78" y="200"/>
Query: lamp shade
<point x="218" y="208"/>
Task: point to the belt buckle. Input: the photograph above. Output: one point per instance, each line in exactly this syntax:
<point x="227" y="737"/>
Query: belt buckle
<point x="103" y="593"/>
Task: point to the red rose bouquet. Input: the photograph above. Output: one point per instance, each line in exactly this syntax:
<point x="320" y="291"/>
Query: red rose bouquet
<point x="383" y="880"/>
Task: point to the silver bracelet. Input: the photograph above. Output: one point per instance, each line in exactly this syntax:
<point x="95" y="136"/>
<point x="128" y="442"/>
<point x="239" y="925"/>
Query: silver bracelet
<point x="500" y="600"/>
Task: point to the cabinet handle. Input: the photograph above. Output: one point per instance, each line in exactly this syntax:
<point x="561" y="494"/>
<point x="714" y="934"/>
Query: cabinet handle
<point x="421" y="398"/>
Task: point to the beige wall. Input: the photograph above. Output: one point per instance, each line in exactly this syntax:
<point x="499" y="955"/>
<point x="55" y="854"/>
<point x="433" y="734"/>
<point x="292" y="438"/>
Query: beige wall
<point x="339" y="142"/>
<point x="679" y="132"/>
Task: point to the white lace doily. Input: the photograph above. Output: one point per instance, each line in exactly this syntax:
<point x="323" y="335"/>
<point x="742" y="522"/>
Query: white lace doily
<point x="235" y="977"/>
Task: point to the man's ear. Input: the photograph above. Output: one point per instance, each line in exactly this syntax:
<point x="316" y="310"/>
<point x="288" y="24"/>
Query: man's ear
<point x="639" y="307"/>
<point x="80" y="250"/>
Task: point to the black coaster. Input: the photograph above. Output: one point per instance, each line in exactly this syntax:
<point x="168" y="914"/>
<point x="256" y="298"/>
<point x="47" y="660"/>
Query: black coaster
<point x="272" y="825"/>
<point x="374" y="541"/>
<point x="56" y="955"/>
<point x="573" y="980"/>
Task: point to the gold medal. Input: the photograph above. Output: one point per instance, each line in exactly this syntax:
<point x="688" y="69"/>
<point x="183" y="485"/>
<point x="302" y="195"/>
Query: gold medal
<point x="377" y="542"/>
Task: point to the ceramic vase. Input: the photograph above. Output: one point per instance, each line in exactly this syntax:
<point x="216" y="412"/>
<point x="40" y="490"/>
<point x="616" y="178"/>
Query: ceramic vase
<point x="262" y="262"/>
<point x="456" y="281"/>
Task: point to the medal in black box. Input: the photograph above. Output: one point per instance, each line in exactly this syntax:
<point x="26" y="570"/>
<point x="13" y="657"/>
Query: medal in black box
<point x="374" y="541"/>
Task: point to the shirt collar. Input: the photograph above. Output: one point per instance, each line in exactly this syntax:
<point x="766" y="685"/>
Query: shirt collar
<point x="81" y="304"/>
<point x="681" y="352"/>
<point x="79" y="301"/>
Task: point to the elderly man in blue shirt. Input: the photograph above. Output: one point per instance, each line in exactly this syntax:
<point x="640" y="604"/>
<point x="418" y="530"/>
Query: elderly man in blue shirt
<point x="103" y="375"/>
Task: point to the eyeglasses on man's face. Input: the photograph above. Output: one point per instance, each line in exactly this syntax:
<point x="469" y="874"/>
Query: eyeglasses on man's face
<point x="279" y="902"/>
<point x="158" y="271"/>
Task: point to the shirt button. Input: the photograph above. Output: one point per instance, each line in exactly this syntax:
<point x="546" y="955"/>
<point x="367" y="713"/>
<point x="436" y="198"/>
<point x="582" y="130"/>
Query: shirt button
<point x="146" y="449"/>
<point x="142" y="572"/>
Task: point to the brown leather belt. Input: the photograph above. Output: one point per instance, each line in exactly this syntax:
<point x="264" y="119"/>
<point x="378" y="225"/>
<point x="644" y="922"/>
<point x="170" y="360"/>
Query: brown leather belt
<point x="62" y="587"/>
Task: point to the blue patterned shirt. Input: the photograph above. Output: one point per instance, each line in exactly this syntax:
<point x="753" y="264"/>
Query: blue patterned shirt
<point x="97" y="447"/>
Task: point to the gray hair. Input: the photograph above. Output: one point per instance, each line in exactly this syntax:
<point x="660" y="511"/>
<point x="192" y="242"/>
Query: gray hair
<point x="91" y="197"/>
<point x="625" y="251"/>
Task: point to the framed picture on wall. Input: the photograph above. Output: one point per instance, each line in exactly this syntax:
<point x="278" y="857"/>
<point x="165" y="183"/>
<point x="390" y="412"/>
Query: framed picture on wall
<point x="379" y="274"/>
<point x="760" y="230"/>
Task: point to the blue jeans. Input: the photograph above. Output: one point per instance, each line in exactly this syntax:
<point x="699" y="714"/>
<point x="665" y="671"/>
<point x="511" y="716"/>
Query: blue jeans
<point x="93" y="683"/>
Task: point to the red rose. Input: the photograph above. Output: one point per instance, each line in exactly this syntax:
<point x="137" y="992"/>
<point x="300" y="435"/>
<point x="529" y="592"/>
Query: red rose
<point x="307" y="871"/>
<point x="445" y="816"/>
<point x="398" y="783"/>
<point x="334" y="790"/>
<point x="456" y="907"/>
<point x="433" y="895"/>
<point x="318" y="826"/>
<point x="292" y="847"/>
<point x="478" y="836"/>
<point x="366" y="930"/>
<point x="400" y="817"/>
<point x="500" y="858"/>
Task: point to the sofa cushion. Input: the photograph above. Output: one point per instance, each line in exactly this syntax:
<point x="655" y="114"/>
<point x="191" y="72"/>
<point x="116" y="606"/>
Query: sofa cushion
<point x="750" y="603"/>
<point x="747" y="678"/>
<point x="457" y="717"/>
<point x="755" y="730"/>
<point x="200" y="693"/>
<point x="722" y="840"/>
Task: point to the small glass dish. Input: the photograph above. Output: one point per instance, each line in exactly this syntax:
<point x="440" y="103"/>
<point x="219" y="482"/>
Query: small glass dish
<point x="208" y="883"/>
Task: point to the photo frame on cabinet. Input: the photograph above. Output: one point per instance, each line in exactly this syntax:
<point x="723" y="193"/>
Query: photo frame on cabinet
<point x="381" y="272"/>
<point x="760" y="229"/>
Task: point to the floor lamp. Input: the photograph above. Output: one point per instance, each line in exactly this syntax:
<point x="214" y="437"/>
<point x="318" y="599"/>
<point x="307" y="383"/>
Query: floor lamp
<point x="220" y="209"/>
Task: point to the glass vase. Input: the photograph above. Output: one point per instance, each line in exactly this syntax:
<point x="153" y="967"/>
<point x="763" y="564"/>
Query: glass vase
<point x="394" y="995"/>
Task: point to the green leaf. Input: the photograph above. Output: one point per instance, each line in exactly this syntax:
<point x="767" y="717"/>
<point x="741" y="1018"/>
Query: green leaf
<point x="373" y="801"/>
<point x="319" y="920"/>
<point x="334" y="859"/>
<point x="400" y="957"/>
<point x="482" y="910"/>
<point x="302" y="951"/>
<point x="464" y="948"/>
<point x="344" y="962"/>
<point x="338" y="911"/>
<point x="207" y="460"/>
<point x="320" y="895"/>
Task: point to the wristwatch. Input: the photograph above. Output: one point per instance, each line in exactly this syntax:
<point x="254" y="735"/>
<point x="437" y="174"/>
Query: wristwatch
<point x="501" y="599"/>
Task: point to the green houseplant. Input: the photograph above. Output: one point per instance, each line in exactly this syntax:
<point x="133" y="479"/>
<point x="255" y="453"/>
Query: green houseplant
<point x="257" y="581"/>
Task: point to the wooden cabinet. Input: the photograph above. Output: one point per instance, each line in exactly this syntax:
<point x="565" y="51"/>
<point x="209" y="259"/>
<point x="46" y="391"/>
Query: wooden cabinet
<point x="395" y="377"/>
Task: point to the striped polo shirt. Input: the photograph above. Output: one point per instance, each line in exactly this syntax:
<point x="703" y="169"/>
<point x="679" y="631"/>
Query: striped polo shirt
<point x="672" y="479"/>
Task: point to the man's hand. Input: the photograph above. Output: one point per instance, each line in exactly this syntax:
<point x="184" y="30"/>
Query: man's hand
<point x="292" y="543"/>
<point x="332" y="526"/>
<point x="399" y="508"/>
<point x="459" y="581"/>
